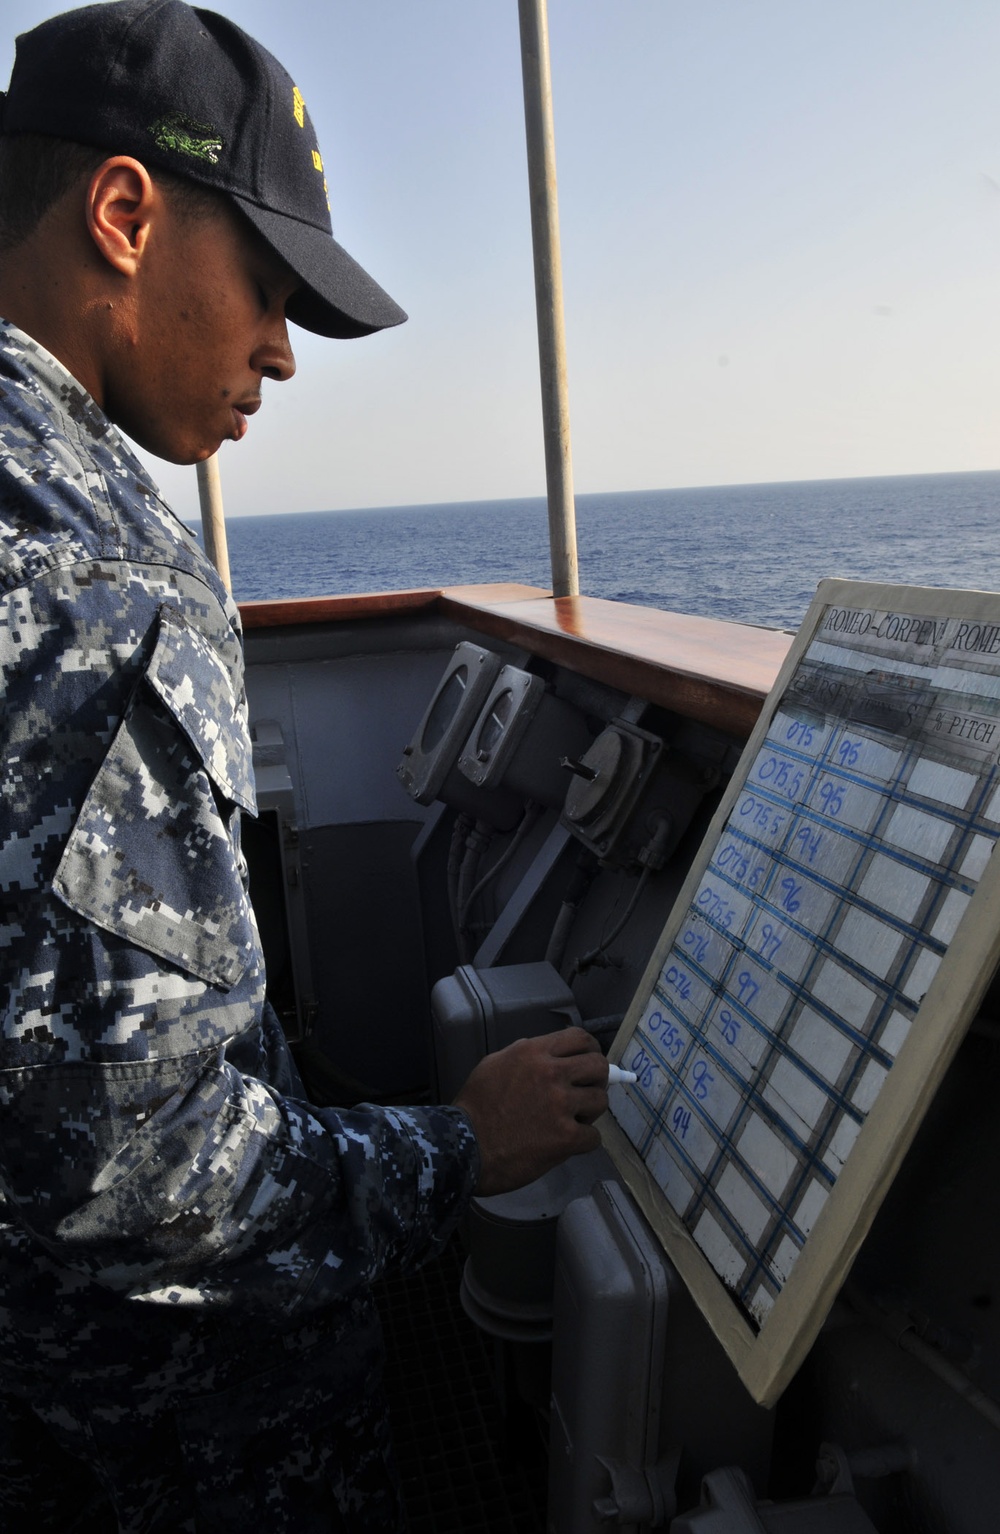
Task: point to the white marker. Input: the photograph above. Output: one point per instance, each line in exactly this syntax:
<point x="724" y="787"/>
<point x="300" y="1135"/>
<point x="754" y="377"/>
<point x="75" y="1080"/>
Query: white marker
<point x="618" y="1077"/>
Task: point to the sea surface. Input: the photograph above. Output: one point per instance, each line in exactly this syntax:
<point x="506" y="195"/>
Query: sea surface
<point x="751" y="553"/>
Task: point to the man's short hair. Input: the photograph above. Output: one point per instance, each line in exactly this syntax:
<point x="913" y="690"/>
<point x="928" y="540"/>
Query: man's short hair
<point x="36" y="171"/>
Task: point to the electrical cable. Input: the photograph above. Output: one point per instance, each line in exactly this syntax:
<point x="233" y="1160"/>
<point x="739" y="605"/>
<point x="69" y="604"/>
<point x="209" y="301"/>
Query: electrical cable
<point x="476" y="843"/>
<point x="528" y="819"/>
<point x="583" y="878"/>
<point x="456" y="849"/>
<point x="599" y="1026"/>
<point x="652" y="857"/>
<point x="596" y="955"/>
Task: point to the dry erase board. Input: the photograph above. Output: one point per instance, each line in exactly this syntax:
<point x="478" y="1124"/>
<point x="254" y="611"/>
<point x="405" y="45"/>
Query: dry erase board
<point x="828" y="949"/>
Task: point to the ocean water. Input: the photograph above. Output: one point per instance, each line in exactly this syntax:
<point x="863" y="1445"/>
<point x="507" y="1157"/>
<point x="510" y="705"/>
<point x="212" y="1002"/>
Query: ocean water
<point x="750" y="553"/>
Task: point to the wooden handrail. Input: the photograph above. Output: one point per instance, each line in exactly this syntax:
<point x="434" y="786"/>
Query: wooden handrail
<point x="716" y="672"/>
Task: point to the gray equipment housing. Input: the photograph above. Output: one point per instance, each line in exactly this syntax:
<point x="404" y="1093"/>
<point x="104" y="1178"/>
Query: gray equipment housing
<point x="636" y="1374"/>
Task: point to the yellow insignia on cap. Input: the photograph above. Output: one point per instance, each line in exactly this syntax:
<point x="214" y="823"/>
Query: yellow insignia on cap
<point x="317" y="160"/>
<point x="298" y="106"/>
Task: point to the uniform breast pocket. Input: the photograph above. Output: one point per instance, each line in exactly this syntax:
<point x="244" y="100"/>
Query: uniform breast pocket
<point x="152" y="856"/>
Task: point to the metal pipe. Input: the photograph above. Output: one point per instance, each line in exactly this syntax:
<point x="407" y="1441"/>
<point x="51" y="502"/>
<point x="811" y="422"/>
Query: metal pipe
<point x="540" y="136"/>
<point x="213" y="518"/>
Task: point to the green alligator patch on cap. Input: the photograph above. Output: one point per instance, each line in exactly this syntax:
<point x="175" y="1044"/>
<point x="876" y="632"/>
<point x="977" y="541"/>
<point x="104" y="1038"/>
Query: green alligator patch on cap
<point x="200" y="141"/>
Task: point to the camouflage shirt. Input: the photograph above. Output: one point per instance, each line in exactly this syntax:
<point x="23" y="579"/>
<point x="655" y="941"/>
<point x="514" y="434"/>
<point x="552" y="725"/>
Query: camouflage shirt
<point x="149" y="1159"/>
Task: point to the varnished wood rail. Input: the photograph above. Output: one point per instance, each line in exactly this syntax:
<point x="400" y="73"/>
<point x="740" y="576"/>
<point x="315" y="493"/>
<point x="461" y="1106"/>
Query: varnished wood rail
<point x="706" y="669"/>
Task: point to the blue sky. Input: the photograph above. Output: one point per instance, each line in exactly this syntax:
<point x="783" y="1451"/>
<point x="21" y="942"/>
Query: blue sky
<point x="781" y="246"/>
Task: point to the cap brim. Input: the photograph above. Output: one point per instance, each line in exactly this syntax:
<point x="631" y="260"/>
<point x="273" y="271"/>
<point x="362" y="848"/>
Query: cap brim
<point x="338" y="297"/>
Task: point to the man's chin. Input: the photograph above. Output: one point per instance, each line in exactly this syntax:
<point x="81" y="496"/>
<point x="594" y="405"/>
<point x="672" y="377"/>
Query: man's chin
<point x="184" y="455"/>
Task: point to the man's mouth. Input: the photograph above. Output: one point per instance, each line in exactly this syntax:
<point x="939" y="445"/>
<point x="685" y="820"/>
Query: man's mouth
<point x="248" y="407"/>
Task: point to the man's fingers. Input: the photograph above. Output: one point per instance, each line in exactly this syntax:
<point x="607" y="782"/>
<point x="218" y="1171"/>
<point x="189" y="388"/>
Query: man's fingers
<point x="588" y="1070"/>
<point x="571" y="1041"/>
<point x="590" y="1105"/>
<point x="533" y="1104"/>
<point x="588" y="1139"/>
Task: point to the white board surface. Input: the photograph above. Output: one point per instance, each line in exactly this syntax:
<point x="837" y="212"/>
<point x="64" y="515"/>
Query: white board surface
<point x="823" y="959"/>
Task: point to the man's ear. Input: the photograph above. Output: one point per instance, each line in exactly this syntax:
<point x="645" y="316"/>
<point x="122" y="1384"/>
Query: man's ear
<point x="121" y="201"/>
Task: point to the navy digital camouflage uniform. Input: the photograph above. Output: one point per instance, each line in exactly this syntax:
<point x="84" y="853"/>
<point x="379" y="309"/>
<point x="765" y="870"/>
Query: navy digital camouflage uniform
<point x="185" y="1244"/>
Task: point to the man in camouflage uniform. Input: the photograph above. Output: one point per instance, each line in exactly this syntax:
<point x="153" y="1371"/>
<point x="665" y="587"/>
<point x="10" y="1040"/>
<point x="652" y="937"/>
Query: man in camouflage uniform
<point x="187" y="1336"/>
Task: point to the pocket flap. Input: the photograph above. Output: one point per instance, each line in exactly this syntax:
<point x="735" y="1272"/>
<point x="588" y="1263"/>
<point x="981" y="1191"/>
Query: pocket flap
<point x="193" y="682"/>
<point x="153" y="857"/>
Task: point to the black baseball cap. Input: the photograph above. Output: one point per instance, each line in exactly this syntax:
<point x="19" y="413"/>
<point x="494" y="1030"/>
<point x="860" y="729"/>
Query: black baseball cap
<point x="187" y="91"/>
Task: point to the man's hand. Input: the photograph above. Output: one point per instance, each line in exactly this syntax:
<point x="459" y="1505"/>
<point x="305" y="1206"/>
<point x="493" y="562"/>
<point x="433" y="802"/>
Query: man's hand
<point x="533" y="1104"/>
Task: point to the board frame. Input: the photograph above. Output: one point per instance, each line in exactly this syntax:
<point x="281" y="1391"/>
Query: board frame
<point x="766" y="1359"/>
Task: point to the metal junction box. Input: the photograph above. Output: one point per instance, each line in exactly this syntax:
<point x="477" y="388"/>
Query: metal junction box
<point x="644" y="1400"/>
<point x="521" y="737"/>
<point x="450" y="715"/>
<point x="429" y="766"/>
<point x="626" y="783"/>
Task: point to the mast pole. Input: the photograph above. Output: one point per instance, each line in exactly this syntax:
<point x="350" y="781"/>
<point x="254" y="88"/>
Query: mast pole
<point x="540" y="136"/>
<point x="213" y="518"/>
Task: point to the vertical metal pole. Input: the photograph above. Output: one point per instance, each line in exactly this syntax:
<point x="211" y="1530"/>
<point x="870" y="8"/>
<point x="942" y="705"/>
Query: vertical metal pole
<point x="213" y="518"/>
<point x="548" y="294"/>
